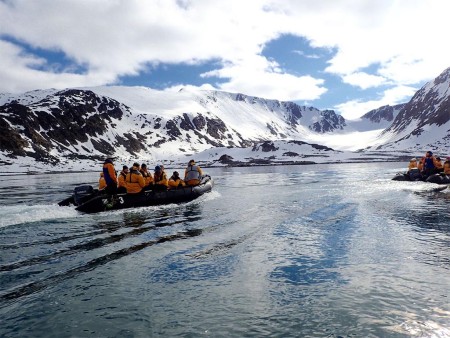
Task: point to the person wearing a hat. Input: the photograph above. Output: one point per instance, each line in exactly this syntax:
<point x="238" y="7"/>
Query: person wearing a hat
<point x="135" y="180"/>
<point x="122" y="180"/>
<point x="175" y="181"/>
<point x="148" y="178"/>
<point x="412" y="164"/>
<point x="192" y="174"/>
<point x="429" y="164"/>
<point x="109" y="173"/>
<point x="160" y="178"/>
<point x="413" y="171"/>
<point x="447" y="166"/>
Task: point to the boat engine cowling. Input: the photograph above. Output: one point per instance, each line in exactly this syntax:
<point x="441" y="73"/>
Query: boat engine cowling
<point x="80" y="192"/>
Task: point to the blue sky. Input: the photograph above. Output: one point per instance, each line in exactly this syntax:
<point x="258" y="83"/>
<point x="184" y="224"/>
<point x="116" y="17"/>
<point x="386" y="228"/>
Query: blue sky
<point x="347" y="55"/>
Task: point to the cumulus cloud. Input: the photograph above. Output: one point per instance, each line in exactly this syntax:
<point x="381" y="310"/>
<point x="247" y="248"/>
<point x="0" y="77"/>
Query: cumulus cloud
<point x="258" y="76"/>
<point x="22" y="71"/>
<point x="363" y="80"/>
<point x="352" y="109"/>
<point x="401" y="41"/>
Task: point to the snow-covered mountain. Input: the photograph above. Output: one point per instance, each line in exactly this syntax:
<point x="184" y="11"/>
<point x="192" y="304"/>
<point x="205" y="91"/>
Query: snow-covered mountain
<point x="76" y="128"/>
<point x="379" y="118"/>
<point x="129" y="123"/>
<point x="424" y="122"/>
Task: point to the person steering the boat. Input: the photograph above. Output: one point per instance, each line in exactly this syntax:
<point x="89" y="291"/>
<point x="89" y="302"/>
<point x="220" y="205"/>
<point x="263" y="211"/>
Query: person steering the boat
<point x="109" y="173"/>
<point x="135" y="181"/>
<point x="192" y="174"/>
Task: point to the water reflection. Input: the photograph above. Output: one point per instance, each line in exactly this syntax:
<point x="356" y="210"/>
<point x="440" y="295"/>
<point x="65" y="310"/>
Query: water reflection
<point x="431" y="212"/>
<point x="119" y="235"/>
<point x="37" y="286"/>
<point x="323" y="240"/>
<point x="319" y="251"/>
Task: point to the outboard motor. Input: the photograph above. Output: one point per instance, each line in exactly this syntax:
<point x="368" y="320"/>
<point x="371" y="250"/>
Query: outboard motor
<point x="415" y="175"/>
<point x="401" y="177"/>
<point x="81" y="193"/>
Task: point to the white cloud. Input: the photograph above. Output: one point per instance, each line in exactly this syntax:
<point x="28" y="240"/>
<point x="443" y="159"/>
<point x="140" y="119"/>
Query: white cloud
<point x="21" y="72"/>
<point x="259" y="77"/>
<point x="353" y="109"/>
<point x="188" y="87"/>
<point x="364" y="80"/>
<point x="403" y="41"/>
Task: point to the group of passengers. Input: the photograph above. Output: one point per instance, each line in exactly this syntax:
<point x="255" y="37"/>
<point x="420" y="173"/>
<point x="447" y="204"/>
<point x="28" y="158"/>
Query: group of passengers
<point x="427" y="166"/>
<point x="139" y="178"/>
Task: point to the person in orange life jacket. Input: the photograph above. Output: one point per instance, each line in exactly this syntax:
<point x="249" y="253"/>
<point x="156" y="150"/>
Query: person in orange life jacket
<point x="101" y="182"/>
<point x="148" y="178"/>
<point x="160" y="179"/>
<point x="429" y="163"/>
<point x="175" y="181"/>
<point x="134" y="180"/>
<point x="412" y="164"/>
<point x="447" y="166"/>
<point x="413" y="171"/>
<point x="109" y="174"/>
<point x="439" y="165"/>
<point x="192" y="174"/>
<point x="122" y="180"/>
<point x="420" y="165"/>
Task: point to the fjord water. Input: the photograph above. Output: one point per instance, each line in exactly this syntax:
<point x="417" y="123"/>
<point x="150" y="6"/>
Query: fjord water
<point x="289" y="251"/>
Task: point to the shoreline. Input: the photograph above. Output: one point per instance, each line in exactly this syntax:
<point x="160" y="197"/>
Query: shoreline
<point x="235" y="164"/>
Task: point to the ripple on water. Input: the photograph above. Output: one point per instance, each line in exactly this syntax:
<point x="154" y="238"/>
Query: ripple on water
<point x="317" y="251"/>
<point x="21" y="214"/>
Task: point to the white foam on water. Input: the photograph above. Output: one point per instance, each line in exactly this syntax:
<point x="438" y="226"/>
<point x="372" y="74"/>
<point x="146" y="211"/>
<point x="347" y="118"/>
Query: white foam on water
<point x="419" y="327"/>
<point x="212" y="195"/>
<point x="417" y="186"/>
<point x="425" y="187"/>
<point x="19" y="214"/>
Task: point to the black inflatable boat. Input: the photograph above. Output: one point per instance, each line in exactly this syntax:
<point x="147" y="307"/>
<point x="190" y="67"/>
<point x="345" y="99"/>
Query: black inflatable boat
<point x="89" y="200"/>
<point x="435" y="178"/>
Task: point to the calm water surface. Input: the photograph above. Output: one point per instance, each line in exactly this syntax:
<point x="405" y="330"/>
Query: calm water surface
<point x="293" y="251"/>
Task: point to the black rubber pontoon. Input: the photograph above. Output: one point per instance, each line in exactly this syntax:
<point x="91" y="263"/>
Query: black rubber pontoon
<point x="439" y="178"/>
<point x="103" y="202"/>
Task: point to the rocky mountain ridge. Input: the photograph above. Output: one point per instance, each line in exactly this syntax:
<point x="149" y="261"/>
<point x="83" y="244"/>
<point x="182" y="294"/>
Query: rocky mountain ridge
<point x="78" y="124"/>
<point x="57" y="127"/>
<point x="424" y="120"/>
<point x="384" y="113"/>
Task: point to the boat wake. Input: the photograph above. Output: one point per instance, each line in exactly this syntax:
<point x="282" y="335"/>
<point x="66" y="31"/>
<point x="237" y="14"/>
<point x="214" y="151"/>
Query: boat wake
<point x="89" y="247"/>
<point x="425" y="187"/>
<point x="21" y="214"/>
